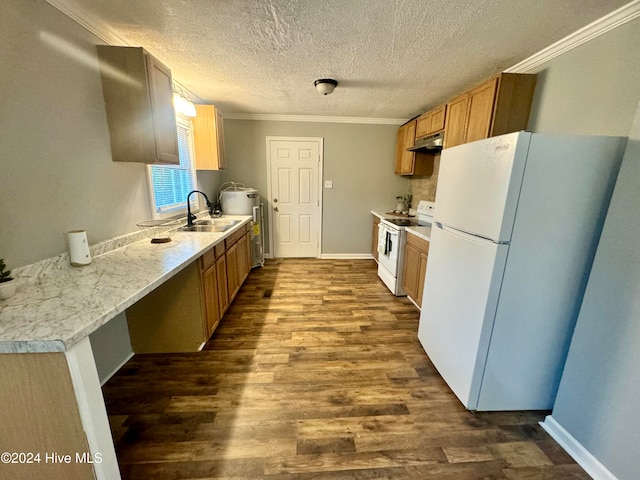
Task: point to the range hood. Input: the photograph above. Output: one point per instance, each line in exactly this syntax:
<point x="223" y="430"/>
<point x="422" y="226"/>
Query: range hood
<point x="431" y="144"/>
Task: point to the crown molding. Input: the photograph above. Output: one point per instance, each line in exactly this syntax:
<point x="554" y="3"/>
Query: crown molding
<point x="618" y="17"/>
<point x="100" y="29"/>
<point x="313" y="118"/>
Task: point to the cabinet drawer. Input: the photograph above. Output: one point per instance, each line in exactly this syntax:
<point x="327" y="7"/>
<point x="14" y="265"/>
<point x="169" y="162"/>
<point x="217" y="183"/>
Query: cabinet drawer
<point x="420" y="243"/>
<point x="234" y="237"/>
<point x="219" y="250"/>
<point x="207" y="259"/>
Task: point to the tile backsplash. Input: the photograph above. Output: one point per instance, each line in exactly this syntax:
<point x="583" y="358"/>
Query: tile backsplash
<point x="424" y="188"/>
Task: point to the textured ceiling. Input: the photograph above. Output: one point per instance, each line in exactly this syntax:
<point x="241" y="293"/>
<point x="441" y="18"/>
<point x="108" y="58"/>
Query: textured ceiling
<point x="392" y="58"/>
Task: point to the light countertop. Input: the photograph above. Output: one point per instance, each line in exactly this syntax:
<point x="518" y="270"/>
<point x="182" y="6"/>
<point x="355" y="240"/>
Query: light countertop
<point x="422" y="231"/>
<point x="64" y="305"/>
<point x="382" y="214"/>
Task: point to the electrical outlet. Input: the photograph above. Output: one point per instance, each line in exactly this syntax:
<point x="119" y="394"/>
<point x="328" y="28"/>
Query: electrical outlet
<point x="328" y="184"/>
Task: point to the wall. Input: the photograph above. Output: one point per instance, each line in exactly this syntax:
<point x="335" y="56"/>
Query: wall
<point x="592" y="89"/>
<point x="56" y="168"/>
<point x="598" y="395"/>
<point x="358" y="158"/>
<point x="57" y="172"/>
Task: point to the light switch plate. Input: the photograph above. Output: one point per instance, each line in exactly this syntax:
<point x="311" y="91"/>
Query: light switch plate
<point x="328" y="184"/>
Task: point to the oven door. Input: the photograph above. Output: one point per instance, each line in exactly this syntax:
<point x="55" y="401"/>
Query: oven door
<point x="388" y="251"/>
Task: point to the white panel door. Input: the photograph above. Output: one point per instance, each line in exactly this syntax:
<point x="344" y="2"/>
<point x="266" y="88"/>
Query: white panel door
<point x="294" y="173"/>
<point x="464" y="275"/>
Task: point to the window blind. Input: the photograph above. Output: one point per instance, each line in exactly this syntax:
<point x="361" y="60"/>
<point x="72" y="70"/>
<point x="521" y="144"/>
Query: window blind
<point x="172" y="183"/>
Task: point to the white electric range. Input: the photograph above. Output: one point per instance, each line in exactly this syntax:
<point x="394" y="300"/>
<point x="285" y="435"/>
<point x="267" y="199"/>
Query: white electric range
<point x="392" y="238"/>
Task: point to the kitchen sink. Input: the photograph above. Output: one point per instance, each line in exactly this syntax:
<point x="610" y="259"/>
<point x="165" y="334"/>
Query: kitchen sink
<point x="221" y="222"/>
<point x="209" y="226"/>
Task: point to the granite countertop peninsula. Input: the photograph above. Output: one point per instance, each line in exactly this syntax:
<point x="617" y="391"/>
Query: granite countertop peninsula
<point x="58" y="305"/>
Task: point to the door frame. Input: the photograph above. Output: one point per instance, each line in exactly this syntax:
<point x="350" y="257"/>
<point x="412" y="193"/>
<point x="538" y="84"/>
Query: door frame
<point x="320" y="141"/>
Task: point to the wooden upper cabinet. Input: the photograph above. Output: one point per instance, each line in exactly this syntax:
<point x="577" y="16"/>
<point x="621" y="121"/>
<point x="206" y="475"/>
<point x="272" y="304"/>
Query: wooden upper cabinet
<point x="399" y="150"/>
<point x="208" y="138"/>
<point x="431" y="121"/>
<point x="480" y="111"/>
<point x="411" y="163"/>
<point x="454" y="132"/>
<point x="138" y="96"/>
<point x="408" y="141"/>
<point x="405" y="138"/>
<point x="498" y="106"/>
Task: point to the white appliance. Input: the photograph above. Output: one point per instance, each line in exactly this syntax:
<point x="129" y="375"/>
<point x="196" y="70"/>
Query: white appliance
<point x="392" y="238"/>
<point x="236" y="199"/>
<point x="516" y="225"/>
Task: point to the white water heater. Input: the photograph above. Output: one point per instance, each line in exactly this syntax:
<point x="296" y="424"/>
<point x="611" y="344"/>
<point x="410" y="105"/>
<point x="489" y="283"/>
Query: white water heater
<point x="237" y="199"/>
<point x="239" y="202"/>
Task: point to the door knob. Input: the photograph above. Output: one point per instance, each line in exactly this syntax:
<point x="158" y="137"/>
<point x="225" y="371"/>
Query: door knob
<point x="275" y="209"/>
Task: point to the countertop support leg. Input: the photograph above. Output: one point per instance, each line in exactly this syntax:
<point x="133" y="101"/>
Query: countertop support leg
<point x="93" y="412"/>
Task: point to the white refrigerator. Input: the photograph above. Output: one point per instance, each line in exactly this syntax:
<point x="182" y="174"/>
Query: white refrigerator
<point x="517" y="222"/>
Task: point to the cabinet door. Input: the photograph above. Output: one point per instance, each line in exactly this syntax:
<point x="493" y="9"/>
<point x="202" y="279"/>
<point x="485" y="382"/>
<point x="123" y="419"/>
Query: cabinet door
<point x="422" y="272"/>
<point x="248" y="249"/>
<point x="208" y="138"/>
<point x="409" y="138"/>
<point x="456" y="121"/>
<point x="374" y="237"/>
<point x="223" y="290"/>
<point x="211" y="302"/>
<point x="405" y="138"/>
<point x="399" y="149"/>
<point x="423" y="124"/>
<point x="164" y="117"/>
<point x="437" y="119"/>
<point x="243" y="260"/>
<point x="481" y="101"/>
<point x="233" y="281"/>
<point x="222" y="161"/>
<point x="410" y="278"/>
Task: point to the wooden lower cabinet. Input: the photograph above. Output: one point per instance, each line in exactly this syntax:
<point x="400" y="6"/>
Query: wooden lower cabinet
<point x="209" y="280"/>
<point x="182" y="313"/>
<point x="233" y="280"/>
<point x="223" y="289"/>
<point x="415" y="267"/>
<point x="374" y="237"/>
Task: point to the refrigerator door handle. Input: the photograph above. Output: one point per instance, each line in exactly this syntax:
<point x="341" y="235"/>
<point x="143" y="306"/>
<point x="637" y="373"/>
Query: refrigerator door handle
<point x="477" y="239"/>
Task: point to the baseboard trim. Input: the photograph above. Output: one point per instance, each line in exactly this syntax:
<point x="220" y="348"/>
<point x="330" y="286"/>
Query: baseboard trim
<point x="575" y="449"/>
<point x="113" y="372"/>
<point x="346" y="256"/>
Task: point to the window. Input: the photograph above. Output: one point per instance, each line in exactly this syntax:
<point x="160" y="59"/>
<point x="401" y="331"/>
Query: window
<point x="169" y="185"/>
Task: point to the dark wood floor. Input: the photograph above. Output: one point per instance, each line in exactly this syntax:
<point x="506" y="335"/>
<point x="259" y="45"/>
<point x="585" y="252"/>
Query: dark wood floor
<point x="315" y="372"/>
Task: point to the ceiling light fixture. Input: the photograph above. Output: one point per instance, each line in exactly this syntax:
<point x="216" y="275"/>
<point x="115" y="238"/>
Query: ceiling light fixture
<point x="181" y="102"/>
<point x="325" y="86"/>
